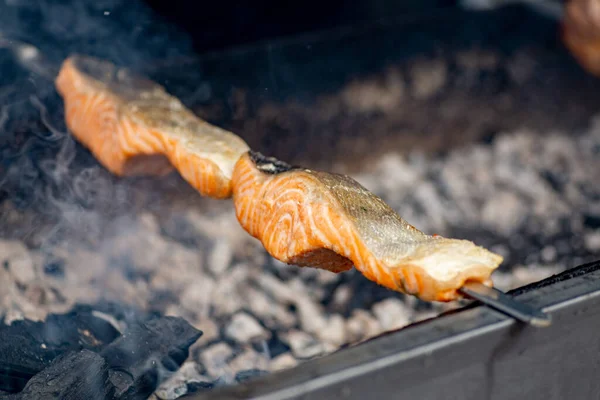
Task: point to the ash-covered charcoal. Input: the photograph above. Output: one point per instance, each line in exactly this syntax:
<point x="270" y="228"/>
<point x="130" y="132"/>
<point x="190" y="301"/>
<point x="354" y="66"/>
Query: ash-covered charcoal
<point x="73" y="375"/>
<point x="216" y="358"/>
<point x="304" y="346"/>
<point x="147" y="354"/>
<point x="178" y="384"/>
<point x="193" y="387"/>
<point x="243" y="328"/>
<point x="70" y="232"/>
<point x="392" y="314"/>
<point x="249" y="374"/>
<point x="82" y="354"/>
<point x="28" y="347"/>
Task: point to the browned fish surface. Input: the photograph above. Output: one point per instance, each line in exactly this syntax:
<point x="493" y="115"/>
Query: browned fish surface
<point x="302" y="217"/>
<point x="329" y="221"/>
<point x="581" y="32"/>
<point x="134" y="127"/>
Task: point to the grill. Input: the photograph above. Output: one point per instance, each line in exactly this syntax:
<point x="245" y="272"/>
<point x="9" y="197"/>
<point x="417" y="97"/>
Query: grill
<point x="472" y="354"/>
<point x="474" y="124"/>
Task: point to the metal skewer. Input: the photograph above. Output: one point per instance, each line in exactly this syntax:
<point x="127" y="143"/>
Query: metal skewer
<point x="500" y="301"/>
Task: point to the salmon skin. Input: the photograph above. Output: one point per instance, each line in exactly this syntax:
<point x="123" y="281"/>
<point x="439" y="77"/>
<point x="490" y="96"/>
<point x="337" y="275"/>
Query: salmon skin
<point x="302" y="217"/>
<point x="318" y="219"/>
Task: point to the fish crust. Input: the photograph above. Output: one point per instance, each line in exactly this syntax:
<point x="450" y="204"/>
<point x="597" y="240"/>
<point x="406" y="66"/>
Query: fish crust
<point x="134" y="127"/>
<point x="317" y="219"/>
<point x="302" y="217"/>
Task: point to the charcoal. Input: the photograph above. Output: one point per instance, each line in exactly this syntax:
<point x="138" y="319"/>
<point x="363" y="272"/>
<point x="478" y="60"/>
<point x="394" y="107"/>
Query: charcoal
<point x="176" y="385"/>
<point x="71" y="231"/>
<point x="28" y="347"/>
<point x="361" y="325"/>
<point x="216" y="357"/>
<point x="592" y="241"/>
<point x="591" y="220"/>
<point x="123" y="313"/>
<point x="244" y="328"/>
<point x="72" y="375"/>
<point x="303" y="345"/>
<point x="210" y="332"/>
<point x="220" y="257"/>
<point x="248" y="359"/>
<point x="249" y="374"/>
<point x="193" y="387"/>
<point x="16" y="259"/>
<point x="277" y="346"/>
<point x="54" y="268"/>
<point x="283" y="361"/>
<point x="392" y="313"/>
<point x="146" y="354"/>
<point x="334" y="333"/>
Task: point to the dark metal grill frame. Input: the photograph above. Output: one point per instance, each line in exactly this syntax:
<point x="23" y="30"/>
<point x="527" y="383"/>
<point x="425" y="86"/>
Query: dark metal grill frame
<point x="471" y="353"/>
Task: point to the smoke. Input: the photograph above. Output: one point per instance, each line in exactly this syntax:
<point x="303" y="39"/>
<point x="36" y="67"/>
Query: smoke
<point x="125" y="32"/>
<point x="29" y="57"/>
<point x="41" y="166"/>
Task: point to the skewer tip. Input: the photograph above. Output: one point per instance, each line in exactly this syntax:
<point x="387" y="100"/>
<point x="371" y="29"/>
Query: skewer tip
<point x="500" y="301"/>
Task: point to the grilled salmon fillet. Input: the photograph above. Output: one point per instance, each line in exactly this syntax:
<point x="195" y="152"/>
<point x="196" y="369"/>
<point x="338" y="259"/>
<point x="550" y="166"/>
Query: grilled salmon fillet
<point x="581" y="32"/>
<point x="302" y="217"/>
<point x="134" y="127"/>
<point x="323" y="220"/>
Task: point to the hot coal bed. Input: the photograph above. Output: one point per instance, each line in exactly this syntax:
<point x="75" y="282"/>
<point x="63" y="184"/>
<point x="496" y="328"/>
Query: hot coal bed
<point x="472" y="124"/>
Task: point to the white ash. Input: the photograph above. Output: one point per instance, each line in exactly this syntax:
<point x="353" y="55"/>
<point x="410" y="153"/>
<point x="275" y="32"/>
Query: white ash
<point x="310" y="313"/>
<point x="216" y="358"/>
<point x="303" y="345"/>
<point x="341" y="297"/>
<point x="284" y="361"/>
<point x="523" y="275"/>
<point x="503" y="212"/>
<point x="243" y="328"/>
<point x="530" y="197"/>
<point x="375" y="94"/>
<point x="428" y="77"/>
<point x="220" y="257"/>
<point x="197" y="297"/>
<point x="247" y="360"/>
<point x="210" y="332"/>
<point x="274" y="314"/>
<point x="362" y="325"/>
<point x="275" y="288"/>
<point x="333" y="333"/>
<point x="228" y="295"/>
<point x="176" y="385"/>
<point x="548" y="254"/>
<point x="592" y="241"/>
<point x="16" y="259"/>
<point x="392" y="314"/>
